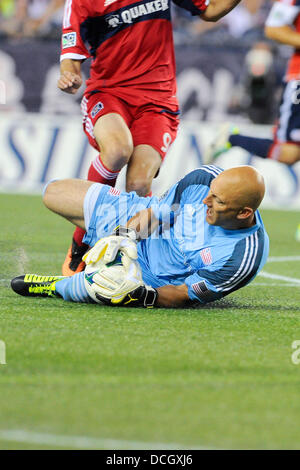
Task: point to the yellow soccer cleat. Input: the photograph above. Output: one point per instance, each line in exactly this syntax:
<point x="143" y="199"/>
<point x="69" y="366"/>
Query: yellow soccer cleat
<point x="33" y="285"/>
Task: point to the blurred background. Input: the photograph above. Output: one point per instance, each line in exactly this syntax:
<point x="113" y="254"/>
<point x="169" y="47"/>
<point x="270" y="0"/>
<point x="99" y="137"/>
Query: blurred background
<point x="226" y="71"/>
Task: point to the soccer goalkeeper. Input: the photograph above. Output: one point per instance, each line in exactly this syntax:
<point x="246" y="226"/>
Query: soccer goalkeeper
<point x="201" y="241"/>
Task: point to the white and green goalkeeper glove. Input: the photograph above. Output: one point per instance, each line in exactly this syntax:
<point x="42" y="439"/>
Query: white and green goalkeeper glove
<point x="106" y="249"/>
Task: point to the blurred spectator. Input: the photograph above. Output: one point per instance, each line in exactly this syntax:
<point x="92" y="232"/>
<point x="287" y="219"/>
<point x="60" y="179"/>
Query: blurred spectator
<point x="257" y="95"/>
<point x="27" y="18"/>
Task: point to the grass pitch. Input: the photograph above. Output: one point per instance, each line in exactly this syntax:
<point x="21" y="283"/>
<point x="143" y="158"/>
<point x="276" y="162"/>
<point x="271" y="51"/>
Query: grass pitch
<point x="217" y="377"/>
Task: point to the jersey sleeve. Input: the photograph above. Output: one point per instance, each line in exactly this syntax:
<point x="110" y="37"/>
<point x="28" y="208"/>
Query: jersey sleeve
<point x="190" y="189"/>
<point x="229" y="274"/>
<point x="195" y="7"/>
<point x="72" y="44"/>
<point x="283" y="13"/>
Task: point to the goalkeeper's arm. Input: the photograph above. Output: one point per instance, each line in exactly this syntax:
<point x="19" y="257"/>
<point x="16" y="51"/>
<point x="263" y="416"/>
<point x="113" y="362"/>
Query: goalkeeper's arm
<point x="173" y="296"/>
<point x="166" y="296"/>
<point x="143" y="223"/>
<point x="125" y="238"/>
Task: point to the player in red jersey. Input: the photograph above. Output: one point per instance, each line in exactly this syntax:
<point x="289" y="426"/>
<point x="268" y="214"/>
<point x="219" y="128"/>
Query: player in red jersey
<point x="282" y="25"/>
<point x="130" y="109"/>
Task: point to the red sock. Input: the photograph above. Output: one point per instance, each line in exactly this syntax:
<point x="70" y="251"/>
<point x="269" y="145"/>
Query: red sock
<point x="99" y="173"/>
<point x="78" y="235"/>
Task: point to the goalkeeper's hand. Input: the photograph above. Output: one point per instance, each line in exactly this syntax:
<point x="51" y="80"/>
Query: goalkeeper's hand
<point x="142" y="296"/>
<point x="123" y="239"/>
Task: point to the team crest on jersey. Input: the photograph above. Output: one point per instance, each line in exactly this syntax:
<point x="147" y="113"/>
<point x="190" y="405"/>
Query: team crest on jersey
<point x="206" y="256"/>
<point x="68" y="40"/>
<point x="113" y="21"/>
<point x="96" y="109"/>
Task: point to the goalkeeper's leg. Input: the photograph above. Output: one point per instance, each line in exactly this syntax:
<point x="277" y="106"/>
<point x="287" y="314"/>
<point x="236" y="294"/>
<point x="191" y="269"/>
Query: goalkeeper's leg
<point x="73" y="289"/>
<point x="66" y="198"/>
<point x="69" y="288"/>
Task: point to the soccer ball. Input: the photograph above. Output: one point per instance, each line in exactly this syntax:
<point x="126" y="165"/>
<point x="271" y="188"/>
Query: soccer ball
<point x="112" y="280"/>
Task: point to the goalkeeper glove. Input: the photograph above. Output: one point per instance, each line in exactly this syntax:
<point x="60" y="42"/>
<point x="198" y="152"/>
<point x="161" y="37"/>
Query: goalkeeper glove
<point x="142" y="296"/>
<point x="106" y="248"/>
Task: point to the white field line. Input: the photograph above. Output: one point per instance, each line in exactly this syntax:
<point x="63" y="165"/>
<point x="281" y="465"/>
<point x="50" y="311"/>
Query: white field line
<point x="82" y="442"/>
<point x="280" y="278"/>
<point x="282" y="259"/>
<point x="23" y="260"/>
<point x="272" y="284"/>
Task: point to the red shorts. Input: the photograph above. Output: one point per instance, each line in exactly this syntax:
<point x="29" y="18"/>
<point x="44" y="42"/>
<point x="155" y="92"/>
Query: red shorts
<point x="149" y="124"/>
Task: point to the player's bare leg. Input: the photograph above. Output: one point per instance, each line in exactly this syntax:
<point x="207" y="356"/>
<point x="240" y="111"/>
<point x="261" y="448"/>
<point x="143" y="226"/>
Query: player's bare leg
<point x="142" y="168"/>
<point x="66" y="198"/>
<point x="288" y="153"/>
<point x="115" y="143"/>
<point x="114" y="140"/>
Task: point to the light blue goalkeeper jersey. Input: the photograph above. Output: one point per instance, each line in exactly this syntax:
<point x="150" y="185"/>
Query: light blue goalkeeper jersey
<point x="211" y="261"/>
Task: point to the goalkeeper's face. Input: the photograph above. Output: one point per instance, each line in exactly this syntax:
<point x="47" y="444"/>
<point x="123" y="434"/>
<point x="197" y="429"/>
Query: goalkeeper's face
<point x="221" y="210"/>
<point x="233" y="197"/>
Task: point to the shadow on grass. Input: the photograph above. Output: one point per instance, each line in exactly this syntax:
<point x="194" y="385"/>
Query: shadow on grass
<point x="251" y="304"/>
<point x="224" y="305"/>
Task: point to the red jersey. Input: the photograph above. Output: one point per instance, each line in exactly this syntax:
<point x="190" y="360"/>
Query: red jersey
<point x="131" y="45"/>
<point x="287" y="13"/>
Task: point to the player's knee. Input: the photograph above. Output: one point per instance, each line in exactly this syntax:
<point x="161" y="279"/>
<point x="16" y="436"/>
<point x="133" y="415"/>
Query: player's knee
<point x="117" y="154"/>
<point x="293" y="158"/>
<point x="142" y="186"/>
<point x="289" y="154"/>
<point x="49" y="193"/>
<point x="46" y="192"/>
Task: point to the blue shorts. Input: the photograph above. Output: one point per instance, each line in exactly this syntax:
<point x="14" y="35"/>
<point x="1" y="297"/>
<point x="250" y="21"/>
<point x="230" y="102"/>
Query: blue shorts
<point x="288" y="126"/>
<point x="105" y="208"/>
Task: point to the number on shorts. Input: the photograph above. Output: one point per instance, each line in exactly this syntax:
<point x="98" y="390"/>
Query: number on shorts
<point x="167" y="139"/>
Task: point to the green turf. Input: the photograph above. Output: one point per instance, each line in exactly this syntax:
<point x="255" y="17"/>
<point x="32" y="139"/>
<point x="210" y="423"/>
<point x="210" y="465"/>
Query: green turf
<point x="219" y="377"/>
